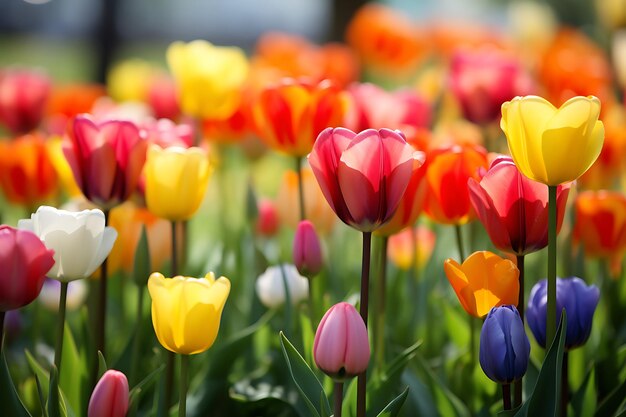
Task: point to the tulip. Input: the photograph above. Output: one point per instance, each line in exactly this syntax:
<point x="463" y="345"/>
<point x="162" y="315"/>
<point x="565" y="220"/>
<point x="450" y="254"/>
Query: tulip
<point x="362" y="191"/>
<point x="483" y="281"/>
<point x="80" y="240"/>
<point x="290" y="115"/>
<point x="163" y="97"/>
<point x="24" y="260"/>
<point x="307" y="250"/>
<point x="412" y="246"/>
<point x="267" y="223"/>
<point x="579" y="301"/>
<point x="51" y="292"/>
<point x="67" y="101"/>
<point x="514" y="209"/>
<point x="341" y="347"/>
<point x="447" y="172"/>
<point x="553" y="145"/>
<point x="186" y="312"/>
<point x="504" y="346"/>
<point x="166" y="133"/>
<point x="176" y="181"/>
<point x="106" y="159"/>
<point x="270" y="286"/>
<point x="209" y="78"/>
<point x="62" y="168"/>
<point x="23" y="99"/>
<point x="110" y="397"/>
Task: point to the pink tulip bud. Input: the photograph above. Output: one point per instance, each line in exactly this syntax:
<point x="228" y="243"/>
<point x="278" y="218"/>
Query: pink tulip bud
<point x="341" y="348"/>
<point x="307" y="252"/>
<point x="110" y="396"/>
<point x="267" y="223"/>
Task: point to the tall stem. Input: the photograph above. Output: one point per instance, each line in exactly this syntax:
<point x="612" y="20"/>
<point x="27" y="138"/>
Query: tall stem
<point x="551" y="314"/>
<point x="379" y="340"/>
<point x="300" y="188"/>
<point x="365" y="279"/>
<point x="564" y="384"/>
<point x="2" y="314"/>
<point x="311" y="306"/>
<point x="506" y="396"/>
<point x="137" y="338"/>
<point x="518" y="385"/>
<point x="60" y="326"/>
<point x="171" y="356"/>
<point x="101" y="314"/>
<point x="459" y="241"/>
<point x="184" y="381"/>
<point x="174" y="266"/>
<point x="338" y="400"/>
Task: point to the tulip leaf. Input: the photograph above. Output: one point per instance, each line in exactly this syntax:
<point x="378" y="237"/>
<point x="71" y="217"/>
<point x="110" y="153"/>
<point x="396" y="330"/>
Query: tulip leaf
<point x="612" y="402"/>
<point x="41" y="396"/>
<point x="585" y="401"/>
<point x="421" y="401"/>
<point x="102" y="365"/>
<point x="11" y="403"/>
<point x="54" y="409"/>
<point x="43" y="379"/>
<point x="393" y="408"/>
<point x="73" y="377"/>
<point x="137" y="391"/>
<point x="304" y="378"/>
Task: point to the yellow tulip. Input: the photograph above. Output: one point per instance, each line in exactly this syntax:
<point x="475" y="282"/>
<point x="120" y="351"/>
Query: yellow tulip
<point x="176" y="180"/>
<point x="209" y="78"/>
<point x="551" y="145"/>
<point x="483" y="281"/>
<point x="186" y="312"/>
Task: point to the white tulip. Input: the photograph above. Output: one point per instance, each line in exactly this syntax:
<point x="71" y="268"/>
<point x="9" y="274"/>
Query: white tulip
<point x="270" y="285"/>
<point x="80" y="240"/>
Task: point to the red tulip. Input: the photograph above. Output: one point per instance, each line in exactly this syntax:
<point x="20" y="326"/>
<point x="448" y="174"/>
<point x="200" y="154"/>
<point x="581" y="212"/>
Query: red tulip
<point x="267" y="223"/>
<point x="23" y="98"/>
<point x="24" y="262"/>
<point x="514" y="209"/>
<point x="363" y="176"/>
<point x="106" y="159"/>
<point x="110" y="396"/>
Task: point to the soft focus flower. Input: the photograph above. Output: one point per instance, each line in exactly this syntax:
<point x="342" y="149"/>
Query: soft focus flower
<point x="23" y="97"/>
<point x="307" y="250"/>
<point x="237" y="128"/>
<point x="290" y="115"/>
<point x="80" y="240"/>
<point x="514" y="209"/>
<point x="363" y="176"/>
<point x="341" y="347"/>
<point x="27" y="174"/>
<point x="110" y="397"/>
<point x="270" y="285"/>
<point x="186" y="312"/>
<point x="447" y="172"/>
<point x="24" y="261"/>
<point x="267" y="222"/>
<point x="51" y="293"/>
<point x="572" y="294"/>
<point x="208" y="77"/>
<point x="163" y="97"/>
<point x="504" y="346"/>
<point x="553" y="145"/>
<point x="166" y="133"/>
<point x="106" y="159"/>
<point x="62" y="168"/>
<point x="412" y="246"/>
<point x="129" y="80"/>
<point x="482" y="80"/>
<point x="176" y="181"/>
<point x="483" y="281"/>
<point x="600" y="226"/>
<point x="67" y="101"/>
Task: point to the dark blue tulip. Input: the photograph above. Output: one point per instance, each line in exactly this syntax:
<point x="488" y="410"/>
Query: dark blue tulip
<point x="504" y="346"/>
<point x="579" y="301"/>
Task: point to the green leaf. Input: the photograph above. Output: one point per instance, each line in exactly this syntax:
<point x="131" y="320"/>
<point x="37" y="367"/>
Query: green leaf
<point x="393" y="408"/>
<point x="54" y="409"/>
<point x="137" y="390"/>
<point x="304" y="378"/>
<point x="421" y="401"/>
<point x="396" y="366"/>
<point x="11" y="403"/>
<point x="612" y="402"/>
<point x="585" y="400"/>
<point x="43" y="379"/>
<point x="102" y="365"/>
<point x="74" y="375"/>
<point x="142" y="263"/>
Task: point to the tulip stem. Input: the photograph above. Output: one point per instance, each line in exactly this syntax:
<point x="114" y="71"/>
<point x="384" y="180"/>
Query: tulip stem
<point x="171" y="357"/>
<point x="365" y="279"/>
<point x="2" y="314"/>
<point x="101" y="315"/>
<point x="61" y="325"/>
<point x="300" y="188"/>
<point x="184" y="382"/>
<point x="379" y="339"/>
<point x="506" y="396"/>
<point x="338" y="394"/>
<point x="518" y="385"/>
<point x="174" y="265"/>
<point x="551" y="314"/>
<point x="459" y="241"/>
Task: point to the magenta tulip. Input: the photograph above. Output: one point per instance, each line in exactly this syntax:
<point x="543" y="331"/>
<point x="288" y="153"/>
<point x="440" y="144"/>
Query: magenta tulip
<point x="110" y="396"/>
<point x="307" y="251"/>
<point x="24" y="262"/>
<point x="514" y="209"/>
<point x="363" y="176"/>
<point x="106" y="158"/>
<point x="341" y="347"/>
<point x="23" y="97"/>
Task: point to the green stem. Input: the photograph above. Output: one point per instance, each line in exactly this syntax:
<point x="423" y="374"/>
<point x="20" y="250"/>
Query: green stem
<point x="184" y="381"/>
<point x="312" y="306"/>
<point x="365" y="280"/>
<point x="60" y="327"/>
<point x="300" y="188"/>
<point x="472" y="327"/>
<point x="171" y="362"/>
<point x="174" y="266"/>
<point x="100" y="337"/>
<point x="459" y="241"/>
<point x="506" y="396"/>
<point x="2" y="314"/>
<point x="338" y="400"/>
<point x="137" y="338"/>
<point x="518" y="385"/>
<point x="288" y="302"/>
<point x="551" y="314"/>
<point x="379" y="339"/>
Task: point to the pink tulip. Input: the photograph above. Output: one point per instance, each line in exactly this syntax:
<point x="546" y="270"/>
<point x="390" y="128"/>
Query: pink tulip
<point x="268" y="223"/>
<point x="514" y="209"/>
<point x="24" y="262"/>
<point x="307" y="251"/>
<point x="163" y="98"/>
<point x="363" y="176"/>
<point x="110" y="396"/>
<point x="341" y="348"/>
<point x="106" y="158"/>
<point x="166" y="133"/>
<point x="23" y="98"/>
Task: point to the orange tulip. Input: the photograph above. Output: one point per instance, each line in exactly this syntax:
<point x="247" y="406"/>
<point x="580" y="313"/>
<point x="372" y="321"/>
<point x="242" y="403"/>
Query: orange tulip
<point x="27" y="175"/>
<point x="483" y="281"/>
<point x="411" y="246"/>
<point x="69" y="100"/>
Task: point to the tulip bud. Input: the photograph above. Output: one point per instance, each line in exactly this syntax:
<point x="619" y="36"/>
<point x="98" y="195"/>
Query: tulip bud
<point x="341" y="348"/>
<point x="110" y="396"/>
<point x="267" y="222"/>
<point x="307" y="252"/>
<point x="504" y="346"/>
<point x="578" y="300"/>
